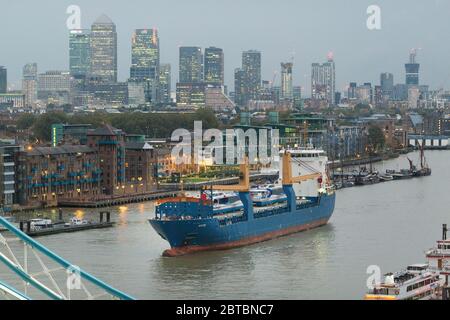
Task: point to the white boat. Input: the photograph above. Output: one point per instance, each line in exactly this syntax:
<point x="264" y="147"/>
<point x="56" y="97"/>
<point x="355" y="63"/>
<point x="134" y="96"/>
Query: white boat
<point x="439" y="256"/>
<point x="39" y="224"/>
<point x="77" y="222"/>
<point x="417" y="282"/>
<point x="420" y="281"/>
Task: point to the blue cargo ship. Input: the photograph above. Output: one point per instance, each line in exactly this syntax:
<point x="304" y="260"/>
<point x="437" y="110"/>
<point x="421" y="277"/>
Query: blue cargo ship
<point x="192" y="224"/>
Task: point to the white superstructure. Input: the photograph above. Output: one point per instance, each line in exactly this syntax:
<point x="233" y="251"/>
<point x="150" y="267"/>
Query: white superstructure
<point x="306" y="161"/>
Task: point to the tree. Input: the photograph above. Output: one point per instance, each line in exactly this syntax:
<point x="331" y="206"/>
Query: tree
<point x="376" y="138"/>
<point x="43" y="126"/>
<point x="26" y="121"/>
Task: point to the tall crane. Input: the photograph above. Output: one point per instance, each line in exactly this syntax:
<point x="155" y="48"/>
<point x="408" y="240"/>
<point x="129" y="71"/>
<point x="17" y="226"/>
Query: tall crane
<point x="275" y="75"/>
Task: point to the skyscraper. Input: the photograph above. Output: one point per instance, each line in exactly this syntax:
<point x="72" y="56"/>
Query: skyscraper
<point x="80" y="53"/>
<point x="286" y="81"/>
<point x="145" y="61"/>
<point x="251" y="66"/>
<point x="165" y="80"/>
<point x="297" y="96"/>
<point x="214" y="66"/>
<point x="191" y="65"/>
<point x="104" y="50"/>
<point x="323" y="80"/>
<point x="3" y="80"/>
<point x="29" y="83"/>
<point x="351" y="94"/>
<point x="412" y="70"/>
<point x="145" y="54"/>
<point x="387" y="85"/>
<point x="239" y="87"/>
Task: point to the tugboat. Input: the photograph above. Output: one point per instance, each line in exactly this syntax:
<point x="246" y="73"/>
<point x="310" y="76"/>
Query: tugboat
<point x="193" y="224"/>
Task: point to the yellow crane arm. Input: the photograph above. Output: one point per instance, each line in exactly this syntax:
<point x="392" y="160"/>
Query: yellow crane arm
<point x="244" y="180"/>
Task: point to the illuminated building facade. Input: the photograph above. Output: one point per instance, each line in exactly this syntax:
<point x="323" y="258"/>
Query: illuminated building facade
<point x="214" y="66"/>
<point x="165" y="83"/>
<point x="48" y="174"/>
<point x="140" y="167"/>
<point x="191" y="65"/>
<point x="110" y="144"/>
<point x="103" y="48"/>
<point x="145" y="62"/>
<point x="191" y="95"/>
<point x="79" y="53"/>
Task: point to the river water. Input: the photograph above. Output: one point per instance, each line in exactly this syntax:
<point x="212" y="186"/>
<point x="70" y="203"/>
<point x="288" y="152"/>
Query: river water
<point x="389" y="225"/>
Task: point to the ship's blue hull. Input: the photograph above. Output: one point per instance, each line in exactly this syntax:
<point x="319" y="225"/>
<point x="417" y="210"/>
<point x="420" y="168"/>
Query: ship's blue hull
<point x="192" y="235"/>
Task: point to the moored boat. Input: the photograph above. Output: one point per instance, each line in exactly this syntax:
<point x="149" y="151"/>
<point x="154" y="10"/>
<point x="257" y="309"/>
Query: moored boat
<point x="417" y="282"/>
<point x="427" y="281"/>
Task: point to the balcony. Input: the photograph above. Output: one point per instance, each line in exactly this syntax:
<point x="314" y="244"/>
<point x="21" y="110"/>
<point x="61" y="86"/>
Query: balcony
<point x="8" y="164"/>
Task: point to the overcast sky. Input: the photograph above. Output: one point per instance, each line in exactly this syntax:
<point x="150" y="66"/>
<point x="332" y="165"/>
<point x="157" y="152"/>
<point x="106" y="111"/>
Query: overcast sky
<point x="35" y="31"/>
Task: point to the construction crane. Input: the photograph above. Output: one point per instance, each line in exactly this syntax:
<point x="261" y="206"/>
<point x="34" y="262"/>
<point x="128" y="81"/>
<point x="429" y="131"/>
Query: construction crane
<point x="275" y="75"/>
<point x="292" y="57"/>
<point x="413" y="55"/>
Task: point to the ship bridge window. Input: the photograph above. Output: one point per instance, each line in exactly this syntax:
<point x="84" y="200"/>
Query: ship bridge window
<point x="419" y="285"/>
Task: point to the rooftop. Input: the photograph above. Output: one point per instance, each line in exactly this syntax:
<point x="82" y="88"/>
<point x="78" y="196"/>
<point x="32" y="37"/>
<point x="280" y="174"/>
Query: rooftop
<point x="65" y="149"/>
<point x="138" y="146"/>
<point x="106" y="130"/>
<point x="103" y="19"/>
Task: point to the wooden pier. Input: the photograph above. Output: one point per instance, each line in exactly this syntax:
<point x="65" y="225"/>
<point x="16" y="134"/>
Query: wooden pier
<point x="116" y="200"/>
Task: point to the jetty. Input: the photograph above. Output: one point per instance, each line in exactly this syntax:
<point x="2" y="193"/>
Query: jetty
<point x="63" y="227"/>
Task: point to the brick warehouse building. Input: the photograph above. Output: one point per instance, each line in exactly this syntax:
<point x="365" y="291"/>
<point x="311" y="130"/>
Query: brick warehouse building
<point x="128" y="167"/>
<point x="108" y="166"/>
<point x="46" y="174"/>
<point x="110" y="145"/>
<point x="140" y="167"/>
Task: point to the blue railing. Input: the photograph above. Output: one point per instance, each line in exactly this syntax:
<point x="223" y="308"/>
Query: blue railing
<point x="54" y="257"/>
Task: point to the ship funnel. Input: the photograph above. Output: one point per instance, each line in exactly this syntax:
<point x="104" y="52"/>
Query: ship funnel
<point x="444" y="232"/>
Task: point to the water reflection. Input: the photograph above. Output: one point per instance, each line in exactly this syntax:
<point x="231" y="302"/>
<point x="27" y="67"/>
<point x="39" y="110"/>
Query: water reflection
<point x="79" y="214"/>
<point x="207" y="270"/>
